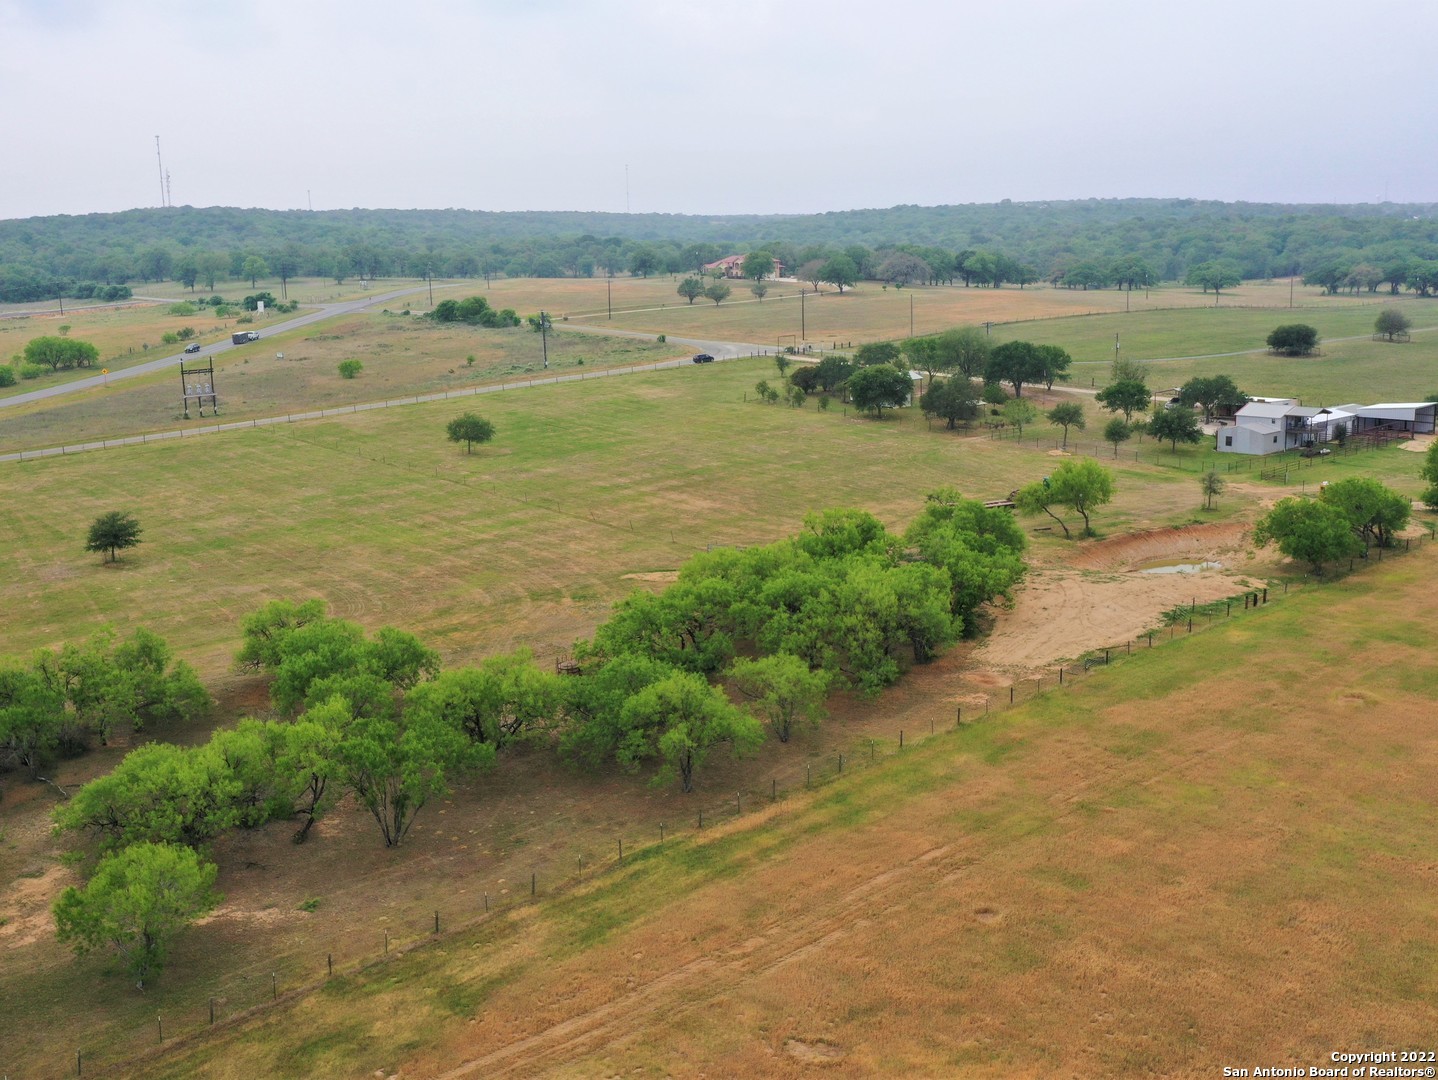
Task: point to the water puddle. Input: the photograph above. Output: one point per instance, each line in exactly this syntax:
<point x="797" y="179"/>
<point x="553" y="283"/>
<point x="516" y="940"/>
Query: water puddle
<point x="1175" y="566"/>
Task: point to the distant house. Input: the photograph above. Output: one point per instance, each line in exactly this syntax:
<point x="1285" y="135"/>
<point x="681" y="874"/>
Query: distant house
<point x="1272" y="425"/>
<point x="732" y="266"/>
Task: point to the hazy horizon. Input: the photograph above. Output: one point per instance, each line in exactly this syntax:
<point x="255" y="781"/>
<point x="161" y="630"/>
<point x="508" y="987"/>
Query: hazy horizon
<point x="756" y="108"/>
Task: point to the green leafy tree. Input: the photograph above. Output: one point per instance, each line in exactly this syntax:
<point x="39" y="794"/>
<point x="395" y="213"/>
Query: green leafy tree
<point x="980" y="548"/>
<point x="1179" y="425"/>
<point x="130" y="684"/>
<point x="1017" y="363"/>
<point x="1067" y="414"/>
<point x="254" y="268"/>
<point x="760" y="289"/>
<point x="874" y="389"/>
<point x="350" y="368"/>
<point x="32" y="719"/>
<point x="263" y="632"/>
<point x="1081" y="486"/>
<point x="1293" y="339"/>
<point x="1056" y="362"/>
<point x="1212" y="484"/>
<point x="1374" y="512"/>
<point x="718" y="292"/>
<point x="334" y="649"/>
<point x="1311" y="530"/>
<point x="839" y="272"/>
<point x="757" y="265"/>
<point x="951" y="400"/>
<point x="644" y="261"/>
<point x="1018" y="412"/>
<point x="1117" y="431"/>
<point x="136" y="903"/>
<point x="1429" y="472"/>
<point x="783" y="690"/>
<point x="965" y="351"/>
<point x="113" y="532"/>
<point x="59" y="353"/>
<point x="158" y="793"/>
<point x="691" y="288"/>
<point x="1391" y="323"/>
<point x="1217" y="275"/>
<point x="469" y="429"/>
<point x="396" y="763"/>
<point x="503" y="701"/>
<point x="680" y="720"/>
<point x="1127" y="396"/>
<point x="1127" y="369"/>
<point x="1211" y="392"/>
<point x="875" y="353"/>
<point x="832" y="372"/>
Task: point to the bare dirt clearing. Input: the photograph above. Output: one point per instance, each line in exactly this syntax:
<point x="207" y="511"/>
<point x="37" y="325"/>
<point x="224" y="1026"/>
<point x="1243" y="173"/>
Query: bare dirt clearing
<point x="1101" y="598"/>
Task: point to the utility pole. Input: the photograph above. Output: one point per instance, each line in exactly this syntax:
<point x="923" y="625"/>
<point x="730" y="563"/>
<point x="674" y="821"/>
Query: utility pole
<point x="609" y="294"/>
<point x="911" y="314"/>
<point x="803" y="334"/>
<point x="544" y="336"/>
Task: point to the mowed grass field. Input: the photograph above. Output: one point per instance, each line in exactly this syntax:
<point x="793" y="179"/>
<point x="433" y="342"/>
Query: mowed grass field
<point x="402" y="356"/>
<point x="525" y="541"/>
<point x="1177" y="865"/>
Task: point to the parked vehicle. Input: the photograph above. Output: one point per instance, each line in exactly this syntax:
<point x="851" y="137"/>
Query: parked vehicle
<point x="703" y="358"/>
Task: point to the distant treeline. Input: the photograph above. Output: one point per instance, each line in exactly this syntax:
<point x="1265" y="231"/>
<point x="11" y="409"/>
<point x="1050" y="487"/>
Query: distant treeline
<point x="1083" y="243"/>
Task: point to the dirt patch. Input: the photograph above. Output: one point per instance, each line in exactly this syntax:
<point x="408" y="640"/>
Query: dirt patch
<point x="1061" y="614"/>
<point x="1418" y="444"/>
<point x="664" y="576"/>
<point x="1097" y="601"/>
<point x="1122" y="552"/>
<point x="813" y="1053"/>
<point x="987" y="915"/>
<point x="25" y="906"/>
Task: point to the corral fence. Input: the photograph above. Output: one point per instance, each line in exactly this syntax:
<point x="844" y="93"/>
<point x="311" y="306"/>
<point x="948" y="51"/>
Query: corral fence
<point x="242" y="994"/>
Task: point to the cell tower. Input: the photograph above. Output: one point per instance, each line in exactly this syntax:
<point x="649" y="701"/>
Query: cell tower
<point x="159" y="162"/>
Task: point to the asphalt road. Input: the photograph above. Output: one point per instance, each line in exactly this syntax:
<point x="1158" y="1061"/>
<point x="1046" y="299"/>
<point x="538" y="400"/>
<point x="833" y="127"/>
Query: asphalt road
<point x="314" y="315"/>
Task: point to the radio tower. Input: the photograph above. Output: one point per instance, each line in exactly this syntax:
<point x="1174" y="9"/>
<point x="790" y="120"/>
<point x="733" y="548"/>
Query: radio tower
<point x="160" y="163"/>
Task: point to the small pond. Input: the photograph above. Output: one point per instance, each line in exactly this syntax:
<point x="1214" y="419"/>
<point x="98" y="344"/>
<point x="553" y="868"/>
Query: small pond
<point x="1175" y="566"/>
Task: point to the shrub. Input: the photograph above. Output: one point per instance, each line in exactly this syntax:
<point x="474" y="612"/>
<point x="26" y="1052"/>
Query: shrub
<point x="350" y="368"/>
<point x="7" y="375"/>
<point x="167" y="338"/>
<point x="184" y="307"/>
<point x="31" y="371"/>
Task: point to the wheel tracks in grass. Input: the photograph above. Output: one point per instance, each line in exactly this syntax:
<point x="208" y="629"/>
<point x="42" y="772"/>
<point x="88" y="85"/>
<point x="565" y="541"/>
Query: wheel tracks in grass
<point x="801" y="937"/>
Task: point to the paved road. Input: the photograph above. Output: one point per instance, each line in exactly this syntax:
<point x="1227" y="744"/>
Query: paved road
<point x="327" y="311"/>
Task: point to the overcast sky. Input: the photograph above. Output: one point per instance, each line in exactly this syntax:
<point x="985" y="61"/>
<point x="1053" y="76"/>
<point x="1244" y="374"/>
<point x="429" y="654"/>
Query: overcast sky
<point x="718" y="106"/>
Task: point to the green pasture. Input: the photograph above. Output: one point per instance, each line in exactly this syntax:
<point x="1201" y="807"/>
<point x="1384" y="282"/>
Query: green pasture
<point x="525" y="541"/>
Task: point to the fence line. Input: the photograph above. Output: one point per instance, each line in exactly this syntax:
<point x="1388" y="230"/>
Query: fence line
<point x="263" y="985"/>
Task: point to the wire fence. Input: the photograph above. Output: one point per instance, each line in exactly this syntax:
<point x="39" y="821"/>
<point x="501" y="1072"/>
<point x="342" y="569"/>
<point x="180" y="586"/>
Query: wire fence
<point x="240" y="994"/>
